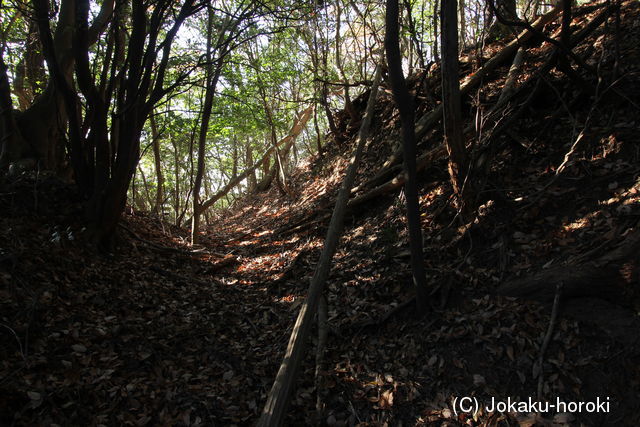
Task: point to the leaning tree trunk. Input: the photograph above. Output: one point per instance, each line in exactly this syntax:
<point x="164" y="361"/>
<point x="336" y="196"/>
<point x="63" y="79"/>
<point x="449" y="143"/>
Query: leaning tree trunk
<point x="274" y="411"/>
<point x="286" y="142"/>
<point x="602" y="273"/>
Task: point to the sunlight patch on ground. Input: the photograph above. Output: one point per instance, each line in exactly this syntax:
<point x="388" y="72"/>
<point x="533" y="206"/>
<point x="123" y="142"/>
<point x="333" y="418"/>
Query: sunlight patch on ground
<point x="625" y="198"/>
<point x="288" y="299"/>
<point x="578" y="224"/>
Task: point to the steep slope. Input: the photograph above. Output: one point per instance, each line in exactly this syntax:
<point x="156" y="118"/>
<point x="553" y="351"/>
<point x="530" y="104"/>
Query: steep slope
<point x="532" y="218"/>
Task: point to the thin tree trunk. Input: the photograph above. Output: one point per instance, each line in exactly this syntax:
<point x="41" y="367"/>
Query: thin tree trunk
<point x="348" y="106"/>
<point x="430" y="119"/>
<point x="155" y="138"/>
<point x="277" y="155"/>
<point x="212" y="76"/>
<point x="318" y="136"/>
<point x="234" y="169"/>
<point x="463" y="25"/>
<point x="565" y="37"/>
<point x="147" y="192"/>
<point x="253" y="181"/>
<point x="413" y="33"/>
<point x="324" y="90"/>
<point x="405" y="103"/>
<point x="435" y="14"/>
<point x="176" y="184"/>
<point x="452" y="117"/>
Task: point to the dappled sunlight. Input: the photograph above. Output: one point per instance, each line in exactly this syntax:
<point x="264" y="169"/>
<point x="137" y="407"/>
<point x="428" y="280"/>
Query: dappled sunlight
<point x="577" y="225"/>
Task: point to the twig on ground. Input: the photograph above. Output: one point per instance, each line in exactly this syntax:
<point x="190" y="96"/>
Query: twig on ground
<point x="17" y="339"/>
<point x="547" y="339"/>
<point x="322" y="343"/>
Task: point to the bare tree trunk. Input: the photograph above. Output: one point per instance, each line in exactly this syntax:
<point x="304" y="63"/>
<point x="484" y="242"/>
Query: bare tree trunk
<point x="176" y="184"/>
<point x="253" y="181"/>
<point x="155" y="140"/>
<point x="588" y="275"/>
<point x="268" y="176"/>
<point x="42" y="125"/>
<point x="508" y="12"/>
<point x="435" y="14"/>
<point x="463" y="25"/>
<point x="318" y="136"/>
<point x="212" y="76"/>
<point x="278" y="167"/>
<point x="266" y="165"/>
<point x="234" y="169"/>
<point x="512" y="77"/>
<point x="405" y="104"/>
<point x="430" y="119"/>
<point x="147" y="193"/>
<point x="565" y="37"/>
<point x="348" y="106"/>
<point x="413" y="34"/>
<point x="321" y="54"/>
<point x="452" y="117"/>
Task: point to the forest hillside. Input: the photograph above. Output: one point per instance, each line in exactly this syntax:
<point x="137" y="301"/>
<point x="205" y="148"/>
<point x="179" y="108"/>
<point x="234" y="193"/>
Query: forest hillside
<point x="536" y="296"/>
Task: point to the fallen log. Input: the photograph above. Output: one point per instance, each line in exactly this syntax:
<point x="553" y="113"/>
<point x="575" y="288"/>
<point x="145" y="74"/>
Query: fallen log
<point x="392" y="185"/>
<point x="509" y="84"/>
<point x="421" y="163"/>
<point x="601" y="277"/>
<point x="274" y="410"/>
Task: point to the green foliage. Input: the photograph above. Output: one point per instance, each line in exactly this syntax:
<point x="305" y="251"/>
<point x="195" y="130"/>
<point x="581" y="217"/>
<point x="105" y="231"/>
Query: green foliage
<point x="281" y="57"/>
